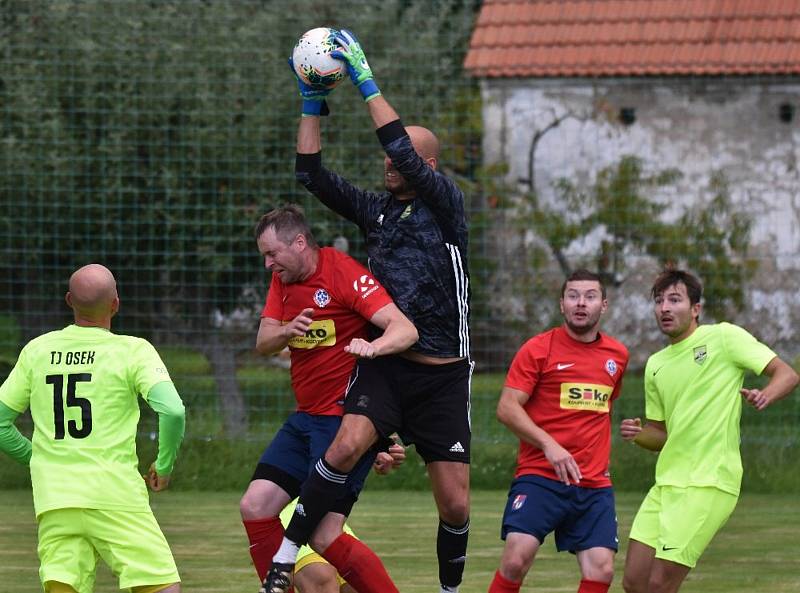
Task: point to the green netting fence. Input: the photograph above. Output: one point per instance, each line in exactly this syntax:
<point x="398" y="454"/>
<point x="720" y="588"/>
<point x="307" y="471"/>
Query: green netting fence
<point x="150" y="137"/>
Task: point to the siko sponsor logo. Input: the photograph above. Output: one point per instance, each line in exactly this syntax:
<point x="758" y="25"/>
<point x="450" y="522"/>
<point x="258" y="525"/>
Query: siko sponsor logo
<point x="587" y="393"/>
<point x="321" y="332"/>
<point x="591" y="397"/>
<point x="318" y="333"/>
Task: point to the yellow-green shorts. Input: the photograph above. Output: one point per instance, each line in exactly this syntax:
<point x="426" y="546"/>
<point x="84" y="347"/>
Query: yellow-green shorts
<point x="307" y="556"/>
<point x="680" y="522"/>
<point x="131" y="543"/>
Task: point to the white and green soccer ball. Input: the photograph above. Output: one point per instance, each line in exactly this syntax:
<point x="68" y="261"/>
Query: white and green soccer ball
<point x="312" y="59"/>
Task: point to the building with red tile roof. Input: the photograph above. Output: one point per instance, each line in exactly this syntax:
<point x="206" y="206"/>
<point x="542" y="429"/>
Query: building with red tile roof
<point x="550" y="38"/>
<point x="707" y="88"/>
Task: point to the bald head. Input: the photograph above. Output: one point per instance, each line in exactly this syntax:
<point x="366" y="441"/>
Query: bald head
<point x="425" y="142"/>
<point x="93" y="295"/>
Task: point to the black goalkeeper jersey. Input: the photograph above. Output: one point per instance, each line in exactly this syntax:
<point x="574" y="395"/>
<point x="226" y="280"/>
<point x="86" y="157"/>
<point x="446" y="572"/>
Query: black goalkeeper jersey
<point x="417" y="248"/>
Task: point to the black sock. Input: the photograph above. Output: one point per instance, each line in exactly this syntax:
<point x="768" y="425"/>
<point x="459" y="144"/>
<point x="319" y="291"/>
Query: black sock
<point x="323" y="487"/>
<point x="451" y="549"/>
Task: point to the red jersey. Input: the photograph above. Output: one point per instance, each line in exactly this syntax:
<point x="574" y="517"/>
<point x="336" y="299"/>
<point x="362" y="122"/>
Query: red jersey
<point x="344" y="296"/>
<point x="571" y="385"/>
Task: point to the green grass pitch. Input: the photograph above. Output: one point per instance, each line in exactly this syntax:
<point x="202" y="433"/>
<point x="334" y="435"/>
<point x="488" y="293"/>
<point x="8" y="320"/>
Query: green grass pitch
<point x="755" y="551"/>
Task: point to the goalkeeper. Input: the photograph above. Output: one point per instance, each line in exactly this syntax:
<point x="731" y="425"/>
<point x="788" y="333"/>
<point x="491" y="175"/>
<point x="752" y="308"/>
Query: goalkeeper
<point x="82" y="385"/>
<point x="416" y="238"/>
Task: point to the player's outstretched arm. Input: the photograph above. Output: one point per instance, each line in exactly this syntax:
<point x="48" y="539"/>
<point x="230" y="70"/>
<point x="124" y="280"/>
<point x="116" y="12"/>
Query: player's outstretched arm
<point x="308" y="136"/>
<point x="163" y="398"/>
<point x="12" y="442"/>
<point x="782" y="380"/>
<point x="511" y="412"/>
<point x="313" y="105"/>
<point x="352" y="54"/>
<point x="399" y="334"/>
<point x="381" y="112"/>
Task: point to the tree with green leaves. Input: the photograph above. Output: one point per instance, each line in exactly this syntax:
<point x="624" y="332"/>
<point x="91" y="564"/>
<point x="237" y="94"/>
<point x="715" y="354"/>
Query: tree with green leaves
<point x="625" y="205"/>
<point x="710" y="237"/>
<point x="150" y="136"/>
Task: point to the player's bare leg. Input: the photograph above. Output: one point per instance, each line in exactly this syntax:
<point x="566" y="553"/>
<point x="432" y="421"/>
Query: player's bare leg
<point x="262" y="499"/>
<point x="666" y="576"/>
<point x="518" y="555"/>
<point x="168" y="588"/>
<point x="58" y="587"/>
<point x="597" y="569"/>
<point x="331" y="527"/>
<point x="260" y="507"/>
<point x="638" y="563"/>
<point x="316" y="577"/>
<point x="450" y="484"/>
<point x="354" y="561"/>
<point x="355" y="436"/>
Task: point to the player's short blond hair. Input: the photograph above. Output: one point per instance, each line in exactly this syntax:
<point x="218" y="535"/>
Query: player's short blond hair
<point x="288" y="222"/>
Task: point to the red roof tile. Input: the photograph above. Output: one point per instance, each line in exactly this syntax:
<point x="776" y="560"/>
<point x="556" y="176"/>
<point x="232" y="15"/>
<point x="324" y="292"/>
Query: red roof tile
<point x="551" y="38"/>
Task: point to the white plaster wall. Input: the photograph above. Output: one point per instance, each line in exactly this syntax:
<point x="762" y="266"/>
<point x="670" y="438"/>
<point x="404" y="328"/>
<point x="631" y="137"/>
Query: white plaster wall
<point x="698" y="126"/>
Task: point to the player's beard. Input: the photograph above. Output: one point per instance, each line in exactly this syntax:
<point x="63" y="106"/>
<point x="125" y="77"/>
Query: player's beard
<point x="397" y="185"/>
<point x="676" y="328"/>
<point x="585" y="326"/>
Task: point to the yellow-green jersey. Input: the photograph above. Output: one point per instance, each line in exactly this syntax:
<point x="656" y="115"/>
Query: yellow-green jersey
<point x="81" y="385"/>
<point x="693" y="387"/>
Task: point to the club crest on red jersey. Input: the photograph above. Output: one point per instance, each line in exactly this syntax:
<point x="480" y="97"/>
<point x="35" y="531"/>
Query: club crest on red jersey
<point x="611" y="367"/>
<point x="321" y="297"/>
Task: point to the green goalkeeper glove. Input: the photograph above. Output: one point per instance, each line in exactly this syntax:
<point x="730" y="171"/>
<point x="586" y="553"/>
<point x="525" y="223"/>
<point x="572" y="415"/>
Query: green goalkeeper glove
<point x="313" y="99"/>
<point x="357" y="67"/>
